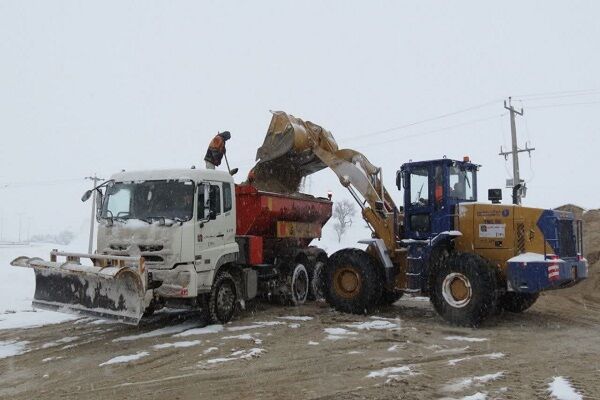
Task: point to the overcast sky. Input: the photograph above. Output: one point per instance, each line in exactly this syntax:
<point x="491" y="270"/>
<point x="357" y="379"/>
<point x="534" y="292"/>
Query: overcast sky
<point x="96" y="87"/>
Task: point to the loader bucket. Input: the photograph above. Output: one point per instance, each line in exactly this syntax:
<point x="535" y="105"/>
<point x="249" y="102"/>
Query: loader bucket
<point x="292" y="140"/>
<point x="113" y="288"/>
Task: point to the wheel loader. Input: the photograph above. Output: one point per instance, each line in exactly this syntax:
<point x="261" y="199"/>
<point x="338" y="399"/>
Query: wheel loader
<point x="471" y="258"/>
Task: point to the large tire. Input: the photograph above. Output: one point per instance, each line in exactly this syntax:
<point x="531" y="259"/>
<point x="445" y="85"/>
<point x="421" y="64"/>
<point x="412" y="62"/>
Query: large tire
<point x="299" y="285"/>
<point x="465" y="289"/>
<point x="317" y="283"/>
<point x="222" y="299"/>
<point x="517" y="302"/>
<point x="353" y="283"/>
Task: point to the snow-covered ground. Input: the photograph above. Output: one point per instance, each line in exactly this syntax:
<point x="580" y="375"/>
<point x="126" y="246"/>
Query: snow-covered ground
<point x="17" y="286"/>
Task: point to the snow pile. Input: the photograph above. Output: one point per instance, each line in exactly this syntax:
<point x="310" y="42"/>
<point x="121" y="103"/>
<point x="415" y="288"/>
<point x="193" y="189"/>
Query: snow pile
<point x="390" y="371"/>
<point x="12" y="348"/>
<point x="125" y="359"/>
<point x="490" y="356"/>
<point x="58" y="342"/>
<point x="375" y="325"/>
<point x="176" y="344"/>
<point x="256" y="325"/>
<point x="464" y="383"/>
<point x="201" y="331"/>
<point x="312" y="343"/>
<point x="465" y="339"/>
<point x="296" y="318"/>
<point x="245" y="336"/>
<point x="561" y="389"/>
<point x="239" y="355"/>
<point x="338" y="333"/>
<point x="169" y="330"/>
<point x="32" y="318"/>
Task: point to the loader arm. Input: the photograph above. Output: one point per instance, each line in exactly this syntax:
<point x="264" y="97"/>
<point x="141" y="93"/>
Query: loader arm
<point x="294" y="148"/>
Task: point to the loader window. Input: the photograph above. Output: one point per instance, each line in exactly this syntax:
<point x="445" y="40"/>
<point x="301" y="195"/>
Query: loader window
<point x="461" y="184"/>
<point x="419" y="186"/>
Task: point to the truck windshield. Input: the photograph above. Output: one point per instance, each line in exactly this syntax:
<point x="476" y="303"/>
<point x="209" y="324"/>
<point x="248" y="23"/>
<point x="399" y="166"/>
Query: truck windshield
<point x="150" y="200"/>
<point x="461" y="184"/>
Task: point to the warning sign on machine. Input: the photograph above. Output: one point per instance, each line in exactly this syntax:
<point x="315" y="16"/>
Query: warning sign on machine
<point x="492" y="230"/>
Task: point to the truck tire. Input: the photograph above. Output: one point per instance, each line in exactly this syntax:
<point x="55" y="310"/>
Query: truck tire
<point x="318" y="281"/>
<point x="353" y="283"/>
<point x="517" y="302"/>
<point x="222" y="299"/>
<point x="299" y="285"/>
<point x="464" y="290"/>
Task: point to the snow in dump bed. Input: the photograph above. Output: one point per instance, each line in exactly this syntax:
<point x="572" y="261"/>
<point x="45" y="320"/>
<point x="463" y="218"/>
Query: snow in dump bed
<point x="189" y="343"/>
<point x="561" y="389"/>
<point x="465" y="339"/>
<point x="12" y="348"/>
<point x="460" y="384"/>
<point x="296" y="318"/>
<point x="200" y="331"/>
<point x="125" y="359"/>
<point x="169" y="330"/>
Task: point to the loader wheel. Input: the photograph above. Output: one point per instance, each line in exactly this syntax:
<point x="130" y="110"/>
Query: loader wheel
<point x="517" y="302"/>
<point x="464" y="290"/>
<point x="353" y="283"/>
<point x="222" y="299"/>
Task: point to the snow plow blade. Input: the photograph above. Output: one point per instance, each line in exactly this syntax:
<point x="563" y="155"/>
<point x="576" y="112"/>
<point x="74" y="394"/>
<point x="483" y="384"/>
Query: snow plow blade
<point x="114" y="287"/>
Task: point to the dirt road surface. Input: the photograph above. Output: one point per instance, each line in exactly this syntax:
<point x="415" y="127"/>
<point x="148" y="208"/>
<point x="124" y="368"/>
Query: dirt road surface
<point x="404" y="352"/>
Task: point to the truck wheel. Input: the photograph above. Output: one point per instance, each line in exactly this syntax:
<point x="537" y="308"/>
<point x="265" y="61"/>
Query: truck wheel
<point x="353" y="283"/>
<point x="299" y="285"/>
<point x="318" y="281"/>
<point x="464" y="290"/>
<point x="517" y="302"/>
<point x="222" y="298"/>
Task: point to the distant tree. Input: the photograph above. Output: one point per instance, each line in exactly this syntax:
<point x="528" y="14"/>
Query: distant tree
<point x="343" y="211"/>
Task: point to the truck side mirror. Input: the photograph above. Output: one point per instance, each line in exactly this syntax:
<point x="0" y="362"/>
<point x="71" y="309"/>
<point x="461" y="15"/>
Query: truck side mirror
<point x="399" y="180"/>
<point x="86" y="195"/>
<point x="495" y="195"/>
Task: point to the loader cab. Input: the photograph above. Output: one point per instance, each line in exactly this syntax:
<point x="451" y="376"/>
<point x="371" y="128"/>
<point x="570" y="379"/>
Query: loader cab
<point x="432" y="189"/>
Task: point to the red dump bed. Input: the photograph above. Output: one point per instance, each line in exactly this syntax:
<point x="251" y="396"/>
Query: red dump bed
<point x="273" y="215"/>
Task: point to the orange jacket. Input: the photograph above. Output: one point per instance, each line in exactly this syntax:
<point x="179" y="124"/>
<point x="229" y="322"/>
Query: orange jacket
<point x="216" y="150"/>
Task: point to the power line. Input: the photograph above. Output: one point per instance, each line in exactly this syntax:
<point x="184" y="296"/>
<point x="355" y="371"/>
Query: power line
<point x="438" y="117"/>
<point x="563" y="105"/>
<point x="475" y="121"/>
<point x="564" y="92"/>
<point x="38" y="183"/>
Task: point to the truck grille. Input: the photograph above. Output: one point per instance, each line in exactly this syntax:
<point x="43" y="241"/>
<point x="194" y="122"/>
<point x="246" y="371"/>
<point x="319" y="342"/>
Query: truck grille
<point x="566" y="238"/>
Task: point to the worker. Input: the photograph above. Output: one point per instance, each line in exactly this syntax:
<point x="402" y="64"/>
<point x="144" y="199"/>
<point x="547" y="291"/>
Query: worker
<point x="216" y="150"/>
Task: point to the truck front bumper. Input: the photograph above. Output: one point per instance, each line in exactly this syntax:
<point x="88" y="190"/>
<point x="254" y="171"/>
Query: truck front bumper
<point x="537" y="276"/>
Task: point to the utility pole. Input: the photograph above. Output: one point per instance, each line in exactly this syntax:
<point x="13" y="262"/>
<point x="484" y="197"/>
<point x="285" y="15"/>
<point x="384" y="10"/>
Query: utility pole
<point x="95" y="181"/>
<point x="518" y="187"/>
